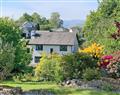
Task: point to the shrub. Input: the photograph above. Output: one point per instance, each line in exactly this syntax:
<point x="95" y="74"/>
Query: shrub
<point x="74" y="64"/>
<point x="17" y="78"/>
<point x="58" y="68"/>
<point x="90" y="74"/>
<point x="111" y="64"/>
<point x="114" y="68"/>
<point x="95" y="50"/>
<point x="7" y="57"/>
<point x="49" y="68"/>
<point x="23" y="77"/>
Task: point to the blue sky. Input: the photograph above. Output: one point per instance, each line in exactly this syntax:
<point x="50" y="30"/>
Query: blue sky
<point x="68" y="9"/>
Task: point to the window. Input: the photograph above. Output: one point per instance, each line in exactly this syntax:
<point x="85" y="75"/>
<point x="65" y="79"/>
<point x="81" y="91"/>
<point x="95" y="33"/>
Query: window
<point x="37" y="59"/>
<point x="63" y="48"/>
<point x="39" y="47"/>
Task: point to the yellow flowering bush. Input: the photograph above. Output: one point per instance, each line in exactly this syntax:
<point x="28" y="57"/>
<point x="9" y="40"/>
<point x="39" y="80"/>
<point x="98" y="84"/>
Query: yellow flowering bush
<point x="49" y="68"/>
<point x="95" y="50"/>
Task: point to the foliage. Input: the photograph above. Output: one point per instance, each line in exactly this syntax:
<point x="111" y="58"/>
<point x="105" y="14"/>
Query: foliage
<point x="22" y="19"/>
<point x="90" y="74"/>
<point x="10" y="33"/>
<point x="100" y="25"/>
<point x="105" y="61"/>
<point x="49" y="68"/>
<point x="95" y="50"/>
<point x="23" y="77"/>
<point x="42" y="22"/>
<point x="75" y="64"/>
<point x="111" y="63"/>
<point x="114" y="68"/>
<point x="7" y="57"/>
<point x="55" y="20"/>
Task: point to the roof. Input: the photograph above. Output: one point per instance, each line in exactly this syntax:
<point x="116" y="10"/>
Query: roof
<point x="54" y="38"/>
<point x="60" y="30"/>
<point x="28" y="25"/>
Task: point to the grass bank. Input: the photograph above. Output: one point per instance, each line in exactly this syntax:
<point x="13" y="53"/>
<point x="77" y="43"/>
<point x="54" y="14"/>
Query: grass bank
<point x="53" y="87"/>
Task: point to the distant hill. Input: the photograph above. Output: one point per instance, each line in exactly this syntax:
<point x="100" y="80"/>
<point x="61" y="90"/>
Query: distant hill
<point x="71" y="23"/>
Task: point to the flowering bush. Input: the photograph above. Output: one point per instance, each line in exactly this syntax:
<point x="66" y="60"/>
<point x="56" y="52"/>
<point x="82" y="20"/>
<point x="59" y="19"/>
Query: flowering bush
<point x="49" y="68"/>
<point x="105" y="61"/>
<point x="95" y="50"/>
<point x="111" y="63"/>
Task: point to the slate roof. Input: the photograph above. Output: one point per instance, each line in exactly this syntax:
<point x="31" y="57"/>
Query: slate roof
<point x="28" y="25"/>
<point x="54" y="38"/>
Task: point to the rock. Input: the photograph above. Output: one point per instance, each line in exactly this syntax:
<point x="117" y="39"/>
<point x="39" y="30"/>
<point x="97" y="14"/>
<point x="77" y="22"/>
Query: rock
<point x="7" y="90"/>
<point x="68" y="82"/>
<point x="94" y="84"/>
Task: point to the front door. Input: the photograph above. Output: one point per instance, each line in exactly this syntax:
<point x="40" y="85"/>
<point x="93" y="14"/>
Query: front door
<point x="51" y="50"/>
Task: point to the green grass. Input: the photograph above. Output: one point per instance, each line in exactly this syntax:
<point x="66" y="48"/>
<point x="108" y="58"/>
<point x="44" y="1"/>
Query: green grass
<point x="53" y="87"/>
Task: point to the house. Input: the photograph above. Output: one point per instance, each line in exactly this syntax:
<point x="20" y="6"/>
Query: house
<point x="48" y="42"/>
<point x="28" y="29"/>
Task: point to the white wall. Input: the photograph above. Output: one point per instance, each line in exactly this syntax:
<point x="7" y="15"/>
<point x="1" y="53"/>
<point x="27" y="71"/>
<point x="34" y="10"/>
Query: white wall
<point x="56" y="48"/>
<point x="46" y="49"/>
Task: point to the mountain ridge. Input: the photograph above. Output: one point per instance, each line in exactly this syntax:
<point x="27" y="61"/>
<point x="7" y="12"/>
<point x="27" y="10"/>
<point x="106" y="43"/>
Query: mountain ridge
<point x="73" y="22"/>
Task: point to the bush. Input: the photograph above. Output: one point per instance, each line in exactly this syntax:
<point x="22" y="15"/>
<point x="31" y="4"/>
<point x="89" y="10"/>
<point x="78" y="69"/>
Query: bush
<point x="7" y="57"/>
<point x="58" y="68"/>
<point x="90" y="74"/>
<point x="74" y="64"/>
<point x="111" y="65"/>
<point x="95" y="50"/>
<point x="17" y="78"/>
<point x="23" y="77"/>
<point x="49" y="68"/>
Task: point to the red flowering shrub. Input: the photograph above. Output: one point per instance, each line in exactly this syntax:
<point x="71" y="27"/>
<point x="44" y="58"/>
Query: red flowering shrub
<point x="111" y="63"/>
<point x="105" y="61"/>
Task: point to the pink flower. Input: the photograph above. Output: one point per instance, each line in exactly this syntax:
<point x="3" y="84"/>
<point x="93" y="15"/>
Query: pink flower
<point x="107" y="57"/>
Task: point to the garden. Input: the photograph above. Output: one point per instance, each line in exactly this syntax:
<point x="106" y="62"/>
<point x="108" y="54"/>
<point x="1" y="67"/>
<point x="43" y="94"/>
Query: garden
<point x="93" y="70"/>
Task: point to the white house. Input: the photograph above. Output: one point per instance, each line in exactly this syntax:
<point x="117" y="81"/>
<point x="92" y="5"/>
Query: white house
<point x="48" y="42"/>
<point x="29" y="29"/>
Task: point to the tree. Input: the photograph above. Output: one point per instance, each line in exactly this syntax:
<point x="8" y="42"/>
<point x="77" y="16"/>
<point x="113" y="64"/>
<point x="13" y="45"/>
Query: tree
<point x="25" y="17"/>
<point x="100" y="25"/>
<point x="10" y="33"/>
<point x="55" y="20"/>
<point x="36" y="18"/>
<point x="7" y="57"/>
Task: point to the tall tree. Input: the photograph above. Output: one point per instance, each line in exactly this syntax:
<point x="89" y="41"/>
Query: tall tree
<point x="7" y="57"/>
<point x="10" y="33"/>
<point x="36" y="18"/>
<point x="55" y="20"/>
<point x="100" y="25"/>
<point x="25" y="17"/>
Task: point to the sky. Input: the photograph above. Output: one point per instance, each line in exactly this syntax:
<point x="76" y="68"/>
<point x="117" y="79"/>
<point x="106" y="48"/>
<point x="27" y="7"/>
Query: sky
<point x="68" y="9"/>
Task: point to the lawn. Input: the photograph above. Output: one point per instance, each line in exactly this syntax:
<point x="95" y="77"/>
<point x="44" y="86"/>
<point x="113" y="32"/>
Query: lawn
<point x="53" y="87"/>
